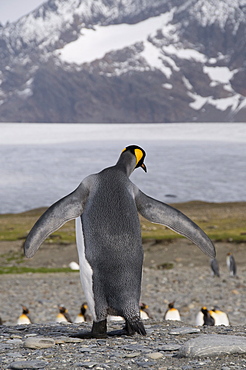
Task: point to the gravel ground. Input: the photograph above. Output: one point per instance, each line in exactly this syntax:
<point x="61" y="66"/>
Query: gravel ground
<point x="160" y="349"/>
<point x="189" y="283"/>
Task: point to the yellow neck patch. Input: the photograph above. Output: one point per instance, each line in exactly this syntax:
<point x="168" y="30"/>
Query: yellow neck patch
<point x="138" y="154"/>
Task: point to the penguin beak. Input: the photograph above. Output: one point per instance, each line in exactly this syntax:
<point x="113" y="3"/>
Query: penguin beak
<point x="144" y="167"/>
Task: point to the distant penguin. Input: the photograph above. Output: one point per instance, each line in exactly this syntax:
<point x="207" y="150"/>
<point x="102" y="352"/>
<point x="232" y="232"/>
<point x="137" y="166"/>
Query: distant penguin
<point x="74" y="266"/>
<point x="219" y="316"/>
<point x="24" y="317"/>
<point x="145" y="312"/>
<point x="172" y="313"/>
<point x="63" y="315"/>
<point x="199" y="319"/>
<point x="1" y="321"/>
<point x="109" y="242"/>
<point x="208" y="319"/>
<point x="83" y="315"/>
<point x="115" y="318"/>
<point x="231" y="264"/>
<point x="215" y="267"/>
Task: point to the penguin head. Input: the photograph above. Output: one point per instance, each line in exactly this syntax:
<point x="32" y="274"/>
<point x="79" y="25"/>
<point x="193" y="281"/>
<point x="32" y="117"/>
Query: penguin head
<point x="83" y="308"/>
<point x="171" y="305"/>
<point x="204" y="309"/>
<point x="62" y="309"/>
<point x="139" y="155"/>
<point x="25" y="310"/>
<point x="143" y="306"/>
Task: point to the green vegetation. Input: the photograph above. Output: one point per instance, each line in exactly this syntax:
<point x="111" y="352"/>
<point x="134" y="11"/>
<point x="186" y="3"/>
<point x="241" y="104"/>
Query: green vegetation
<point x="25" y="270"/>
<point x="16" y="227"/>
<point x="221" y="221"/>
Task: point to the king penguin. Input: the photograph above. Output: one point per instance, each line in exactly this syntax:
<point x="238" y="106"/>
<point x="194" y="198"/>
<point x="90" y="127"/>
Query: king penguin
<point x="172" y="313"/>
<point x="63" y="315"/>
<point x="231" y="264"/>
<point x="220" y="317"/>
<point x="208" y="318"/>
<point x="83" y="315"/>
<point x="24" y="317"/>
<point x="108" y="233"/>
<point x="145" y="312"/>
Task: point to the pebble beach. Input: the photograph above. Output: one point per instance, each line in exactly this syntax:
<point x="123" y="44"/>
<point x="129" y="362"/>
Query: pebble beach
<point x="168" y="344"/>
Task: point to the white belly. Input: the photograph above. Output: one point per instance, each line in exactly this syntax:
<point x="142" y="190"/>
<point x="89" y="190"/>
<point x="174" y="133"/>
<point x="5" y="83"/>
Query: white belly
<point x="172" y="314"/>
<point x="61" y="318"/>
<point x="143" y="315"/>
<point x="23" y="319"/>
<point x="199" y="319"/>
<point x="85" y="269"/>
<point x="220" y="318"/>
<point x="115" y="318"/>
<point x="79" y="319"/>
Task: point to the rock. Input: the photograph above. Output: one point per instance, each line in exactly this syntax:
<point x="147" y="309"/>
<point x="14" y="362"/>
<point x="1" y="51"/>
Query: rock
<point x="15" y="354"/>
<point x="62" y="340"/>
<point x="145" y="365"/>
<point x="155" y="355"/>
<point x="4" y="346"/>
<point x="213" y="345"/>
<point x="14" y="341"/>
<point x="28" y="365"/>
<point x="169" y="347"/>
<point x="185" y="330"/>
<point x="133" y="354"/>
<point x="86" y="365"/>
<point x="39" y="342"/>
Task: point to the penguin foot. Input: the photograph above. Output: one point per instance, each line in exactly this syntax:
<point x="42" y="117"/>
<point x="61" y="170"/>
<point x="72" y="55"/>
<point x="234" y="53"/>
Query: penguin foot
<point x="88" y="335"/>
<point x="99" y="331"/>
<point x="129" y="329"/>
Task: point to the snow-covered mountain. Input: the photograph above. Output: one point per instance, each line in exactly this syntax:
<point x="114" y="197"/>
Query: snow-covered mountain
<point x="125" y="61"/>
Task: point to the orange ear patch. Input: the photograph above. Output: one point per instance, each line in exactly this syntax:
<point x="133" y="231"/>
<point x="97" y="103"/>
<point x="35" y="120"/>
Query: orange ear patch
<point x="138" y="154"/>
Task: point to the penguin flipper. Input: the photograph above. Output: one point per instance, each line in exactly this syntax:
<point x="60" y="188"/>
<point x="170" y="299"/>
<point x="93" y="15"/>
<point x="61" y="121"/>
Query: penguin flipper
<point x="65" y="209"/>
<point x="161" y="213"/>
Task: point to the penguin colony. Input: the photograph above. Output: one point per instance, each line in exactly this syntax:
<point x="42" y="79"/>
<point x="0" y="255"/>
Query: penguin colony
<point x="106" y="206"/>
<point x="204" y="316"/>
<point x="212" y="317"/>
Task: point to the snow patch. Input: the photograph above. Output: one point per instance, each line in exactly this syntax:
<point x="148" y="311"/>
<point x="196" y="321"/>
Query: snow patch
<point x="154" y="59"/>
<point x="185" y="53"/>
<point x="167" y="86"/>
<point x="198" y="102"/>
<point x="94" y="44"/>
<point x="187" y="83"/>
<point x="219" y="74"/>
<point x="25" y="93"/>
<point x="233" y="102"/>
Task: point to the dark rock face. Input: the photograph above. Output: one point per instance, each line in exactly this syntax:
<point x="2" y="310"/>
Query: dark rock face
<point x="198" y="73"/>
